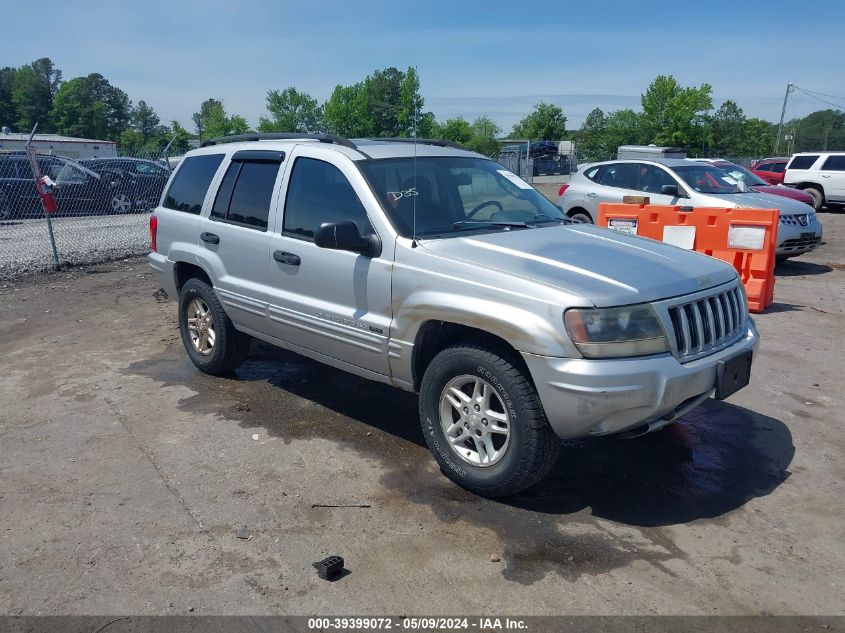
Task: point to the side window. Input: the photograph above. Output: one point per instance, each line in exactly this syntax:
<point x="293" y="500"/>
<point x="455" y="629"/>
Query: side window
<point x="593" y="173"/>
<point x="245" y="193"/>
<point x="777" y="168"/>
<point x="834" y="163"/>
<point x="763" y="167"/>
<point x="619" y="175"/>
<point x="188" y="189"/>
<point x="803" y="162"/>
<point x="651" y="179"/>
<point x="319" y="192"/>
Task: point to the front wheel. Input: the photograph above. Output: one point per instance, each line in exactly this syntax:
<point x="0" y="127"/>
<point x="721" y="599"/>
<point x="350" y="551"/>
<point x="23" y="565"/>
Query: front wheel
<point x="121" y="203"/>
<point x="211" y="340"/>
<point x="580" y="217"/>
<point x="818" y="197"/>
<point x="483" y="421"/>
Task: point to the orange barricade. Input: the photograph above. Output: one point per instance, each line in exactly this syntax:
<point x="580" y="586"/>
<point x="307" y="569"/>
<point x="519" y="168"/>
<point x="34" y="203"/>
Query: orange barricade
<point x="745" y="238"/>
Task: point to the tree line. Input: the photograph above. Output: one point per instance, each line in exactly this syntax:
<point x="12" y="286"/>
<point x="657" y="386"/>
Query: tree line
<point x="388" y="103"/>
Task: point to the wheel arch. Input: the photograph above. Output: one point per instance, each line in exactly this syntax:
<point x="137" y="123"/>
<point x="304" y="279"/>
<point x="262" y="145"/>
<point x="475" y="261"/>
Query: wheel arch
<point x="183" y="271"/>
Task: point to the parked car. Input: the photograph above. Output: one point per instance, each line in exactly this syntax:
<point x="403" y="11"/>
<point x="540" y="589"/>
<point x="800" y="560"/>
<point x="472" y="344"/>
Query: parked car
<point x="680" y="181"/>
<point x="754" y="182"/>
<point x="820" y="174"/>
<point x="434" y="269"/>
<point x="770" y="169"/>
<point x="78" y="189"/>
<point x="136" y="183"/>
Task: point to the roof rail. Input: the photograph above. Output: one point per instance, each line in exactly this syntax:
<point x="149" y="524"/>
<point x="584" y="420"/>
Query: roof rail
<point x="280" y="136"/>
<point x="423" y="141"/>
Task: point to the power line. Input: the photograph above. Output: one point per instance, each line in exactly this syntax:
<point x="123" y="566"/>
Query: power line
<point x="824" y="95"/>
<point x="830" y="103"/>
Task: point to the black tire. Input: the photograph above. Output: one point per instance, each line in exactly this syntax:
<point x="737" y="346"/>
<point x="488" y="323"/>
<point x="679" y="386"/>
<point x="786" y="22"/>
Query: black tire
<point x="580" y="216"/>
<point x="230" y="346"/>
<point x="779" y="259"/>
<point x="532" y="447"/>
<point x="818" y="197"/>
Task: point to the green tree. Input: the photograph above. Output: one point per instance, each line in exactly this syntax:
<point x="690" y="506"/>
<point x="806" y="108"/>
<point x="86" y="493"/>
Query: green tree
<point x="727" y="128"/>
<point x="212" y="121"/>
<point x="758" y="138"/>
<point x="456" y="129"/>
<point x="91" y="107"/>
<point x="674" y="115"/>
<point x="409" y="114"/>
<point x="8" y="113"/>
<point x="590" y="138"/>
<point x="483" y="140"/>
<point x="545" y="123"/>
<point x="622" y="127"/>
<point x="145" y="121"/>
<point x="33" y="89"/>
<point x="347" y="111"/>
<point x="823" y="130"/>
<point x="180" y="143"/>
<point x="291" y="111"/>
<point x="384" y="89"/>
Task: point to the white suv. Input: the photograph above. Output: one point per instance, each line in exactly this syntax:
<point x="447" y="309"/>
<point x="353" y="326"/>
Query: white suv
<point x="821" y="174"/>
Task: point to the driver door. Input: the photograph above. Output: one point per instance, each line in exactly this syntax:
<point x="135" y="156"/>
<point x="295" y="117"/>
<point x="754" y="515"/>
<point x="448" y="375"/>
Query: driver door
<point x="334" y="303"/>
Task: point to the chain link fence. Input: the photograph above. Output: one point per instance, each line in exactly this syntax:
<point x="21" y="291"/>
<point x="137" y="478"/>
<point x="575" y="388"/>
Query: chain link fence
<point x="102" y="209"/>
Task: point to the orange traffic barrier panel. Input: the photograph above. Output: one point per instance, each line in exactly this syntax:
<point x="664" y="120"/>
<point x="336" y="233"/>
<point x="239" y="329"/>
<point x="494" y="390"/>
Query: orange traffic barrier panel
<point x="744" y="238"/>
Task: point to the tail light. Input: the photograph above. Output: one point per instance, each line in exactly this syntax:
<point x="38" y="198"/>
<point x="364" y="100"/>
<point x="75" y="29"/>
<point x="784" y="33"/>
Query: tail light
<point x="153" y="231"/>
<point x="562" y="189"/>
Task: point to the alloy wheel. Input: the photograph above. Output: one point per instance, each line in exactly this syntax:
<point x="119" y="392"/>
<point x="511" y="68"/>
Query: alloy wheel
<point x="201" y="326"/>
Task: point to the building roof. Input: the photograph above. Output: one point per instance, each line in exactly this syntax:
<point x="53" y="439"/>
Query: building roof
<point x="51" y="138"/>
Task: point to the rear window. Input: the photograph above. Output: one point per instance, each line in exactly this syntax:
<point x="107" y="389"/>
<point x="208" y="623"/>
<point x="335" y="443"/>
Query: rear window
<point x="187" y="191"/>
<point x="834" y="163"/>
<point x="592" y="173"/>
<point x="619" y="175"/>
<point x="803" y="162"/>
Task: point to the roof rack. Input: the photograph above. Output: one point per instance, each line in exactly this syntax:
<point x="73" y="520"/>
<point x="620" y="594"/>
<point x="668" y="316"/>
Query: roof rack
<point x="280" y="136"/>
<point x="422" y="141"/>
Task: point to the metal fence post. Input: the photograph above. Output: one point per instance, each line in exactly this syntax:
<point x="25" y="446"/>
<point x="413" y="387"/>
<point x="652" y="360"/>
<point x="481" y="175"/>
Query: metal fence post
<point x="36" y="172"/>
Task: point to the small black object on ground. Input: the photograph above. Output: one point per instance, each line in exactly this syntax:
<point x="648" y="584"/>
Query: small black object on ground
<point x="330" y="568"/>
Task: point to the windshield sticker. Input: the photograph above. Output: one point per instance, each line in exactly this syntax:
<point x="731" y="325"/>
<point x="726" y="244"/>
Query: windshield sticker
<point x="398" y="195"/>
<point x="519" y="182"/>
<point x="729" y="180"/>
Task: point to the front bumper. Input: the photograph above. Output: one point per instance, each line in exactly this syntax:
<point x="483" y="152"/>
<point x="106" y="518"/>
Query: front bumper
<point x="600" y="397"/>
<point x="795" y="240"/>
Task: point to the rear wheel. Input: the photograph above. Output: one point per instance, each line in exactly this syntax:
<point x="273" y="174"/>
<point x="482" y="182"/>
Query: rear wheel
<point x="121" y="203"/>
<point x="818" y="197"/>
<point x="483" y="421"/>
<point x="211" y="340"/>
<point x="579" y="216"/>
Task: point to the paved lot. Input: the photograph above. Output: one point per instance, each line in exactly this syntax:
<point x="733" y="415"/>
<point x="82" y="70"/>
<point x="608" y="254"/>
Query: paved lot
<point x="125" y="476"/>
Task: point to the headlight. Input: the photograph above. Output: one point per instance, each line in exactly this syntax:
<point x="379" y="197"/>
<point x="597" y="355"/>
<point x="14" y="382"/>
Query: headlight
<point x="616" y="332"/>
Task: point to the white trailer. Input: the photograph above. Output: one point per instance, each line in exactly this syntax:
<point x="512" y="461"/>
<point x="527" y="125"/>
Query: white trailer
<point x="649" y="152"/>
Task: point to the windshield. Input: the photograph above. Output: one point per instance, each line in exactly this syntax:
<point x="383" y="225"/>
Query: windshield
<point x="455" y="194"/>
<point x="741" y="173"/>
<point x="708" y="179"/>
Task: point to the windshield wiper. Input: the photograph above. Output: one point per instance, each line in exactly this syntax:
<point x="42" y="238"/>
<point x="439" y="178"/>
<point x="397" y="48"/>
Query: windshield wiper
<point x="480" y="224"/>
<point x="549" y="218"/>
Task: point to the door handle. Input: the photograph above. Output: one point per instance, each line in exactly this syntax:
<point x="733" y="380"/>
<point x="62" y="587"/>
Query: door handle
<point x="592" y="195"/>
<point x="284" y="257"/>
<point x="825" y="175"/>
<point x="210" y="238"/>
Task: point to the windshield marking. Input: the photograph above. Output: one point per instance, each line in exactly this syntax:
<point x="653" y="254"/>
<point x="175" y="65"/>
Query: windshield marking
<point x="550" y="262"/>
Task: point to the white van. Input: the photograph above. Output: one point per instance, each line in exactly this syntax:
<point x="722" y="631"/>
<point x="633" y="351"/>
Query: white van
<point x="821" y="174"/>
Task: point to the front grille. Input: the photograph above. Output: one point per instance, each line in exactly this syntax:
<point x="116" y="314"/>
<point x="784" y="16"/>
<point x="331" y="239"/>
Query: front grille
<point x="800" y="244"/>
<point x="794" y="220"/>
<point x="708" y="323"/>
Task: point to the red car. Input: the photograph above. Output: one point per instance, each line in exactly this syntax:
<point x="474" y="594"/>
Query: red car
<point x="770" y="169"/>
<point x="754" y="182"/>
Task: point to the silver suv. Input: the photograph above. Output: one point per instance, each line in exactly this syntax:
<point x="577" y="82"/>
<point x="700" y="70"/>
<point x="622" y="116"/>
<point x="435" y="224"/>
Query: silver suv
<point x="433" y="269"/>
<point x="689" y="183"/>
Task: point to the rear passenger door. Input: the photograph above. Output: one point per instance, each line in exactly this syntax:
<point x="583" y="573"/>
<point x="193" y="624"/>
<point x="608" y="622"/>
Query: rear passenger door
<point x="615" y="181"/>
<point x="234" y="244"/>
<point x="332" y="302"/>
<point x="833" y="178"/>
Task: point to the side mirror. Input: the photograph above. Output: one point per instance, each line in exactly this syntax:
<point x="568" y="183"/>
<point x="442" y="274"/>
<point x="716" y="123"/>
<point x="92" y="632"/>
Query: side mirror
<point x="344" y="236"/>
<point x="671" y="190"/>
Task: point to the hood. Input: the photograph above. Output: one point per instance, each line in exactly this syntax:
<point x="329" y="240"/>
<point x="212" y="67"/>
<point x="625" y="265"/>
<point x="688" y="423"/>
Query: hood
<point x="786" y="192"/>
<point x="758" y="200"/>
<point x="604" y="267"/>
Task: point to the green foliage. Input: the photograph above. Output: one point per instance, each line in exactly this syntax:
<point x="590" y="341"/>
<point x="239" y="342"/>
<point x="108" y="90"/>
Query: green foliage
<point x="145" y="121"/>
<point x="623" y="127"/>
<point x="90" y="107"/>
<point x="212" y="121"/>
<point x="674" y="115"/>
<point x="8" y="113"/>
<point x="291" y="111"/>
<point x="590" y="138"/>
<point x="822" y="130"/>
<point x="347" y="111"/>
<point x="33" y="88"/>
<point x="457" y="129"/>
<point x="546" y="123"/>
<point x="483" y="139"/>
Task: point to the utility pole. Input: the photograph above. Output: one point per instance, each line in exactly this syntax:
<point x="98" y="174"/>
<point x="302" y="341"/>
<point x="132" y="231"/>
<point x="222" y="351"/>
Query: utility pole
<point x="789" y="88"/>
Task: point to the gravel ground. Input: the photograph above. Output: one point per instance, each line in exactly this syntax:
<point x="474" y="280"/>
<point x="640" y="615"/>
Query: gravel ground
<point x="127" y="477"/>
<point x="25" y="244"/>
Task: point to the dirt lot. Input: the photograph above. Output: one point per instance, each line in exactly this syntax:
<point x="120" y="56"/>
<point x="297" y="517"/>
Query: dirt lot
<point x="126" y="475"/>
